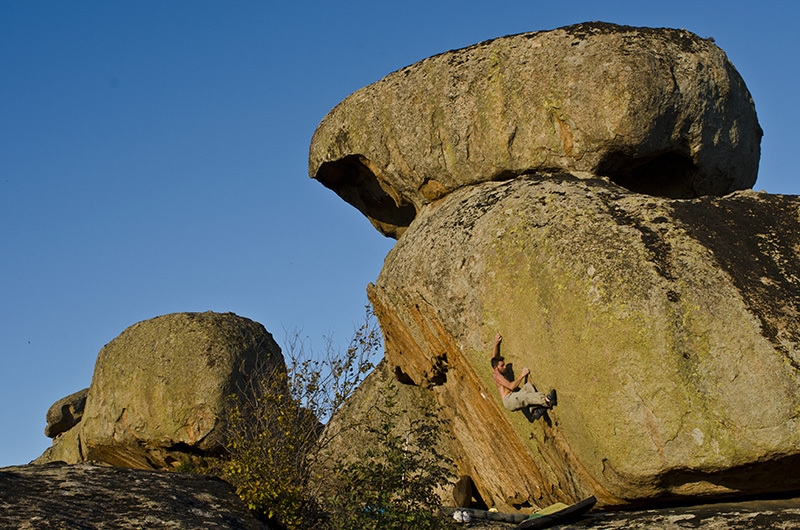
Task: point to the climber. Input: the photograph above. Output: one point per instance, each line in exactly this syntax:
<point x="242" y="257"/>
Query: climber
<point x="516" y="398"/>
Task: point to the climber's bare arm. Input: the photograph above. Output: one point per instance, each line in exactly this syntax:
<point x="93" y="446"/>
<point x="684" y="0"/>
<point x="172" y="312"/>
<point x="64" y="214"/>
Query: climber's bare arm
<point x="497" y="340"/>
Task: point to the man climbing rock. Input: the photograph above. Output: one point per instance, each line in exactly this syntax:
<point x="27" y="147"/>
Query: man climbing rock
<point x="516" y="398"/>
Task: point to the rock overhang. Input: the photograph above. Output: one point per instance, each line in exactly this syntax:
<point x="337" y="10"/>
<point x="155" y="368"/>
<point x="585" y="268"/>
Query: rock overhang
<point x="659" y="111"/>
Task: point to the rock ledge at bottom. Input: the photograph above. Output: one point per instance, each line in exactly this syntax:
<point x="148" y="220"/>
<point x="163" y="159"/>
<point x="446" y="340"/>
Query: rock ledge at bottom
<point x="59" y="495"/>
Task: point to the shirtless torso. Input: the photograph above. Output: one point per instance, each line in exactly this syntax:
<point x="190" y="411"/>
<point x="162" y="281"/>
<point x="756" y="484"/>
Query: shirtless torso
<point x="504" y="386"/>
<point x="512" y="395"/>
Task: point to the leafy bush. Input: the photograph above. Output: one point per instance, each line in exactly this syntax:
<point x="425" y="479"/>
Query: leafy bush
<point x="276" y="438"/>
<point x="393" y="484"/>
<point x="269" y="436"/>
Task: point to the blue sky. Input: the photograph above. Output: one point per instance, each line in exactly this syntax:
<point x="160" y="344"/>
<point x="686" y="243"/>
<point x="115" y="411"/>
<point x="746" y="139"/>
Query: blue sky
<point x="154" y="160"/>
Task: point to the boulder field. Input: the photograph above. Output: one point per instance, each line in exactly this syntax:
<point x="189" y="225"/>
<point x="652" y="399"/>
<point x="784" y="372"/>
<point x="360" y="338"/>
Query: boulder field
<point x="585" y="193"/>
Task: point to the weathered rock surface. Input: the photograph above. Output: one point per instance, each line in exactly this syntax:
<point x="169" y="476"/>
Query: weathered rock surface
<point x="88" y="496"/>
<point x="159" y="389"/>
<point x="669" y="327"/>
<point x="660" y="111"/>
<point x="350" y="429"/>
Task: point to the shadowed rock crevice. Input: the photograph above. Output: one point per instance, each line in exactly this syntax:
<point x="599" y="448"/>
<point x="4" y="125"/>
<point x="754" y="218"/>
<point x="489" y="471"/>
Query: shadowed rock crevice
<point x="402" y="377"/>
<point x="354" y="181"/>
<point x="439" y="375"/>
<point x="671" y="174"/>
<point x="738" y="478"/>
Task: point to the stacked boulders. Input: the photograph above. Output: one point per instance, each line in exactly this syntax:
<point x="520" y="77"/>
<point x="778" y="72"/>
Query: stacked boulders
<point x="572" y="190"/>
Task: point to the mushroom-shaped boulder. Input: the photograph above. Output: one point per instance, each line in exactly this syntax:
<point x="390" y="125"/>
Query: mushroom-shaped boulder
<point x="659" y="111"/>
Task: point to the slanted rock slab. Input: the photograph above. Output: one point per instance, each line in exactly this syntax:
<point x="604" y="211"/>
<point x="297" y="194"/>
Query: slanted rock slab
<point x="660" y="111"/>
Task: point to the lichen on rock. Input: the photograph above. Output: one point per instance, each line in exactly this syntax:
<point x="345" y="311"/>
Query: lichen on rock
<point x="160" y="388"/>
<point x="659" y="111"/>
<point x="674" y="379"/>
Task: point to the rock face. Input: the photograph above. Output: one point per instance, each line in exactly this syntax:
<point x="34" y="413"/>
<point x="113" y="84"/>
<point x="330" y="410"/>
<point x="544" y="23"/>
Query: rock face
<point x="351" y="428"/>
<point x="659" y="111"/>
<point x="159" y="388"/>
<point x="90" y="496"/>
<point x="669" y="327"/>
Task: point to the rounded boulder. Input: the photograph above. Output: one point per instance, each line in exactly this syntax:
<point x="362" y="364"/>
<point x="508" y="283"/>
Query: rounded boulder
<point x="160" y="388"/>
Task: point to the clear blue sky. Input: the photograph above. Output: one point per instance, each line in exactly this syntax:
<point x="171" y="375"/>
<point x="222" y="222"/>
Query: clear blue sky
<point x="153" y="159"/>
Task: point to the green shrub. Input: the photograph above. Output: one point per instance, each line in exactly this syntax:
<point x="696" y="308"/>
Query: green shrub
<point x="393" y="484"/>
<point x="275" y="439"/>
<point x="269" y="435"/>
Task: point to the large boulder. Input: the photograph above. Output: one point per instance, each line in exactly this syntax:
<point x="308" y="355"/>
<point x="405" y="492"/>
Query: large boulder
<point x="160" y="388"/>
<point x="669" y="327"/>
<point x="660" y="111"/>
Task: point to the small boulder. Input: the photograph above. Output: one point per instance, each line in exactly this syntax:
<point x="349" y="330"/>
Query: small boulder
<point x="65" y="413"/>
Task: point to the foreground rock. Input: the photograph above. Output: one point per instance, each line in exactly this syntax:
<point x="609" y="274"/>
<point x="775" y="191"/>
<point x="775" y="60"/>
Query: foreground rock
<point x="159" y="390"/>
<point x="669" y="327"/>
<point x="763" y="514"/>
<point x="660" y="111"/>
<point x="95" y="497"/>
